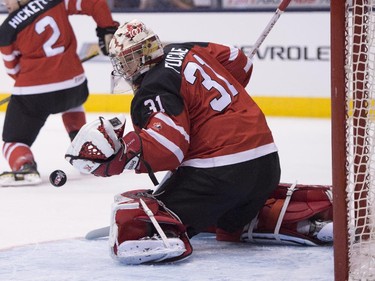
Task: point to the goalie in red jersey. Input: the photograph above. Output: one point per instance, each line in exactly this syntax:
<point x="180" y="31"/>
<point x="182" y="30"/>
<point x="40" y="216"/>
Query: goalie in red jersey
<point x="38" y="47"/>
<point x="192" y="117"/>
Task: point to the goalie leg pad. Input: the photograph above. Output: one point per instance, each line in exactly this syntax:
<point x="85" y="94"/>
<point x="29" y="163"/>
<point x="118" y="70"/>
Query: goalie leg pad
<point x="149" y="250"/>
<point x="294" y="214"/>
<point x="135" y="237"/>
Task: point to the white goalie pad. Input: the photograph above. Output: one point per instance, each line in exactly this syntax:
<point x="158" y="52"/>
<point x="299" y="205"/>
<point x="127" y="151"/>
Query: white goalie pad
<point x="325" y="235"/>
<point x="141" y="231"/>
<point x="294" y="215"/>
<point x="280" y="239"/>
<point x="153" y="249"/>
<point x="95" y="142"/>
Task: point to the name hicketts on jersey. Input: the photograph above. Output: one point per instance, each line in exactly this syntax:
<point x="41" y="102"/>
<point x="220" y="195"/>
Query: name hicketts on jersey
<point x="32" y="9"/>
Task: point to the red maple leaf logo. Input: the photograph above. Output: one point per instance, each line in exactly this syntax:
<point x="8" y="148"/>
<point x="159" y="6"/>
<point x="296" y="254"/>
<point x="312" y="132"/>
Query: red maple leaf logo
<point x="133" y="29"/>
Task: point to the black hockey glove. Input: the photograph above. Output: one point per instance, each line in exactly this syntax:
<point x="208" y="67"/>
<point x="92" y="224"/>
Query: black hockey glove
<point x="105" y="35"/>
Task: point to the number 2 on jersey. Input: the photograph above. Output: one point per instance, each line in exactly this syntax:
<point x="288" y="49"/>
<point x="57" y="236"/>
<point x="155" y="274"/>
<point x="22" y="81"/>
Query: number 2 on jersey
<point x="208" y="82"/>
<point x="48" y="48"/>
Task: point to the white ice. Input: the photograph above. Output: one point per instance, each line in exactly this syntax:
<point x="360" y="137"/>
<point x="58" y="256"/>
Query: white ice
<point x="42" y="228"/>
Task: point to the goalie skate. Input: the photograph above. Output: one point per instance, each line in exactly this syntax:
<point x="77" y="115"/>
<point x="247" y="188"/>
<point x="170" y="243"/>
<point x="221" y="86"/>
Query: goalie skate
<point x="147" y="250"/>
<point x="27" y="175"/>
<point x="323" y="231"/>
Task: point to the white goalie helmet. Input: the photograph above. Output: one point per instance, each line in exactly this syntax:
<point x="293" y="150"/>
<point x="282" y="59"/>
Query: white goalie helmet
<point x="133" y="49"/>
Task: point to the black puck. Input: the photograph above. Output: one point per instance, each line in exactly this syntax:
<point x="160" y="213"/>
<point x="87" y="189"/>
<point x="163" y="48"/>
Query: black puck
<point x="57" y="178"/>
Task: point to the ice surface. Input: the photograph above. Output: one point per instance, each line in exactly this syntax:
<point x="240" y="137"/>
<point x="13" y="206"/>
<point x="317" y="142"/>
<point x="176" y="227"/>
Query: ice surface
<point x="42" y="228"/>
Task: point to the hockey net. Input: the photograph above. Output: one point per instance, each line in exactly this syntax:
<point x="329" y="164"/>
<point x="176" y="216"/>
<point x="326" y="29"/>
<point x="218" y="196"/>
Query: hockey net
<point x="353" y="135"/>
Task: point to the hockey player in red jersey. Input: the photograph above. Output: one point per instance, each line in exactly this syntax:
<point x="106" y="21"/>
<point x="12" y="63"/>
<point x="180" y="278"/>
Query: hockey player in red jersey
<point x="38" y="46"/>
<point x="193" y="117"/>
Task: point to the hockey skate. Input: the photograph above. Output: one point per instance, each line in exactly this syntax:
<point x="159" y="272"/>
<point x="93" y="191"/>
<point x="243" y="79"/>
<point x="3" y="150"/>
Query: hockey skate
<point x="322" y="230"/>
<point x="26" y="175"/>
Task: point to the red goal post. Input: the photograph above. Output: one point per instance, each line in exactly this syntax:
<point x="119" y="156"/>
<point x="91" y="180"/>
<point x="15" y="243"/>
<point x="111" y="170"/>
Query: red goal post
<point x="353" y="137"/>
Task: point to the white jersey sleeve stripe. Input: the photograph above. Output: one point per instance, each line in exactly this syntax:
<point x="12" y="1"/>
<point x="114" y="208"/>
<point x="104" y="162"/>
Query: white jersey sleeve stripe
<point x="14" y="70"/>
<point x="166" y="143"/>
<point x="172" y="124"/>
<point x="234" y="158"/>
<point x="233" y="53"/>
<point x="79" y="5"/>
<point x="248" y="65"/>
<point x="11" y="57"/>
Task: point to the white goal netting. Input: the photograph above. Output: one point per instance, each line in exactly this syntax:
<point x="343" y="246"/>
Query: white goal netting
<point x="360" y="137"/>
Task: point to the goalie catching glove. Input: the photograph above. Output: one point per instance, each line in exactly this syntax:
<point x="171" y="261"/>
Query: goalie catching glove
<point x="100" y="149"/>
<point x="143" y="230"/>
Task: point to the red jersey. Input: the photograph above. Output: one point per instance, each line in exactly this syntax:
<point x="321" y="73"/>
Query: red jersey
<point x="192" y="109"/>
<point x="39" y="46"/>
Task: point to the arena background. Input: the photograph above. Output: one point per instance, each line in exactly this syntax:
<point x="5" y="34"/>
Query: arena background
<point x="291" y="70"/>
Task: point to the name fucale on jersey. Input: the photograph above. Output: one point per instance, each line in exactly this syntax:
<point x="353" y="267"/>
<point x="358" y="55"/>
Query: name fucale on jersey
<point x="19" y="19"/>
<point x="174" y="58"/>
<point x="169" y="92"/>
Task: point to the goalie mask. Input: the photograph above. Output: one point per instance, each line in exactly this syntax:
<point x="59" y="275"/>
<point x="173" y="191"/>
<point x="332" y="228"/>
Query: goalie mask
<point x="133" y="49"/>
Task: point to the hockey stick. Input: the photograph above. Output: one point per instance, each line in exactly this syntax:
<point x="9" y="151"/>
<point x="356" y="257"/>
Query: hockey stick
<point x="4" y="100"/>
<point x="97" y="233"/>
<point x="283" y="5"/>
<point x="93" y="55"/>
